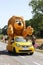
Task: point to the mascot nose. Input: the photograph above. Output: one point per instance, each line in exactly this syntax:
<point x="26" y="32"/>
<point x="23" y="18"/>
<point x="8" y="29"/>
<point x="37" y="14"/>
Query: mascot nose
<point x="19" y="23"/>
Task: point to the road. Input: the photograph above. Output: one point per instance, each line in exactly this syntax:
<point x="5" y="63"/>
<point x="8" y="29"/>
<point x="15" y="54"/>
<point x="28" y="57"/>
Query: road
<point x="11" y="59"/>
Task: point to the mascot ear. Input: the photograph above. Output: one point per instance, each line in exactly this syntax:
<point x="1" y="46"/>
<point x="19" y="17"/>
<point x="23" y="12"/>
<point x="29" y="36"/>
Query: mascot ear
<point x="10" y="30"/>
<point x="11" y="20"/>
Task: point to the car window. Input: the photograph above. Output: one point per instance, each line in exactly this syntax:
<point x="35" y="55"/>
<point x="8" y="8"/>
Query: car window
<point x="20" y="39"/>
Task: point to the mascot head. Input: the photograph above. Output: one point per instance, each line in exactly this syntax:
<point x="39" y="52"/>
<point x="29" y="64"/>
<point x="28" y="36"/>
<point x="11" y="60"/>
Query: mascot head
<point x="17" y="22"/>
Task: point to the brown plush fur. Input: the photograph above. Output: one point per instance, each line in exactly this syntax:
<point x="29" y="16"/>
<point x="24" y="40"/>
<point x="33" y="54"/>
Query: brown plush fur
<point x="17" y="27"/>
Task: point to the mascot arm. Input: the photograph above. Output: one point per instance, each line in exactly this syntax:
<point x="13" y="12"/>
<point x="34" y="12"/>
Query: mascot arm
<point x="28" y="31"/>
<point x="24" y="33"/>
<point x="10" y="30"/>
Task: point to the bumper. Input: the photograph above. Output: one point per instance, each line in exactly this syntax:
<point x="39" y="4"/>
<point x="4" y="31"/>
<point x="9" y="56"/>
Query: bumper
<point x="24" y="50"/>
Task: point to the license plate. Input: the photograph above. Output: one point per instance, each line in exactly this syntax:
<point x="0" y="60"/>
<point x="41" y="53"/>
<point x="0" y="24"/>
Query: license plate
<point x="25" y="48"/>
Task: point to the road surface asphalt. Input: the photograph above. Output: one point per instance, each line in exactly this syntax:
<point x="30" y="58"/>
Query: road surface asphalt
<point x="19" y="59"/>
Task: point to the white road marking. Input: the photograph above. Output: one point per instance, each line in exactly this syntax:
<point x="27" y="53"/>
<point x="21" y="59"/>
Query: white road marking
<point x="22" y="56"/>
<point x="36" y="63"/>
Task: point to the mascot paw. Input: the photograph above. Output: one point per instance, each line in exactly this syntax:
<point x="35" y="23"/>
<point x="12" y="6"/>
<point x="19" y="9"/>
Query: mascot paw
<point x="29" y="30"/>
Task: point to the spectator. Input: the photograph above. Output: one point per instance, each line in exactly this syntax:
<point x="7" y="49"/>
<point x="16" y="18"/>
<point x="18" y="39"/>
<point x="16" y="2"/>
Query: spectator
<point x="33" y="39"/>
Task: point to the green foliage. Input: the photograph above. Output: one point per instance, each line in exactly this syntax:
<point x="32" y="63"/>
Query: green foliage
<point x="0" y="31"/>
<point x="37" y="20"/>
<point x="37" y="6"/>
<point x="4" y="30"/>
<point x="1" y="35"/>
<point x="28" y="23"/>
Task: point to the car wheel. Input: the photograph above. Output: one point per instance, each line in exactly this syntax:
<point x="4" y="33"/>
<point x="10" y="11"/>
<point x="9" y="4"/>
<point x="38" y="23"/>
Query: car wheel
<point x="14" y="51"/>
<point x="31" y="53"/>
<point x="9" y="52"/>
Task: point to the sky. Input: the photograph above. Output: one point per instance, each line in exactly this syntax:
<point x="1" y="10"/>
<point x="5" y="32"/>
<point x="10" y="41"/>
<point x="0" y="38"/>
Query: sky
<point x="9" y="8"/>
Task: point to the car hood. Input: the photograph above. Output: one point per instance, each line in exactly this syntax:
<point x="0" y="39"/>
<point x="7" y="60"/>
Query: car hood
<point x="24" y="43"/>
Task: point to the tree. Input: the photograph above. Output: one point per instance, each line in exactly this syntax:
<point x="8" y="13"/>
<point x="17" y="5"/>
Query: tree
<point x="28" y="23"/>
<point x="4" y="30"/>
<point x="0" y="31"/>
<point x="37" y="6"/>
<point x="37" y="20"/>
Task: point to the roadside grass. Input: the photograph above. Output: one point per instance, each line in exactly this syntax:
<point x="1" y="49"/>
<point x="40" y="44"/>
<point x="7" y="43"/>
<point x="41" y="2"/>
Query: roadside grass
<point x="39" y="41"/>
<point x="1" y="35"/>
<point x="38" y="50"/>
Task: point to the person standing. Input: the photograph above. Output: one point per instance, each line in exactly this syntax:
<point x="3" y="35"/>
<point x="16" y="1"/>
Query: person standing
<point x="33" y="39"/>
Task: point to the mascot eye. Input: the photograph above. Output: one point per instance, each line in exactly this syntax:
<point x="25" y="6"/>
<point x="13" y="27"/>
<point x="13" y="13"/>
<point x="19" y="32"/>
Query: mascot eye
<point x="17" y="21"/>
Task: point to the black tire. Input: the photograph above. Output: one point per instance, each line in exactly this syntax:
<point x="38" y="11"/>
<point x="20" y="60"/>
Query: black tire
<point x="14" y="51"/>
<point x="31" y="53"/>
<point x="9" y="52"/>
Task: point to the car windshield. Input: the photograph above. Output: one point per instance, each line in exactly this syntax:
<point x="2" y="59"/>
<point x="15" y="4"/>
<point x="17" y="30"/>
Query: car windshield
<point x="20" y="39"/>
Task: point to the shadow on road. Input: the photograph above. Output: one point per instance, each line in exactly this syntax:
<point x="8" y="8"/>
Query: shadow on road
<point x="4" y="52"/>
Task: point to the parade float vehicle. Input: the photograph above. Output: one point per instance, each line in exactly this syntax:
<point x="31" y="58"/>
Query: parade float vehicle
<point x="17" y="27"/>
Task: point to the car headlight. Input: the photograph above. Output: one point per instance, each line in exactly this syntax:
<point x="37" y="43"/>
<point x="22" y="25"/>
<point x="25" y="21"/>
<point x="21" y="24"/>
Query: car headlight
<point x="17" y="45"/>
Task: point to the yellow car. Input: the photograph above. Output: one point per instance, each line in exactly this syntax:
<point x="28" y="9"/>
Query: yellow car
<point x="20" y="45"/>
